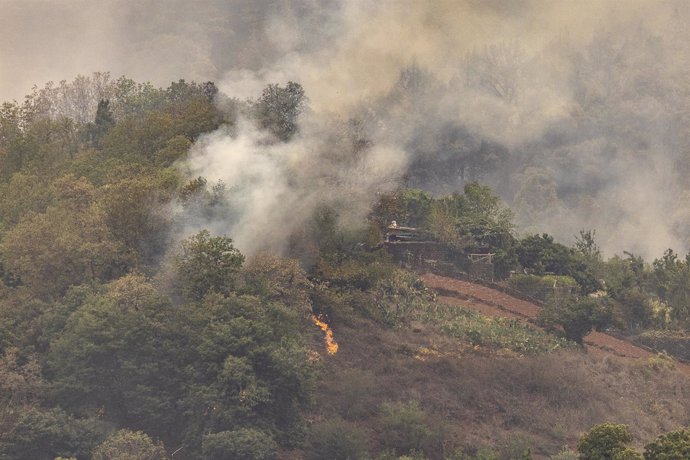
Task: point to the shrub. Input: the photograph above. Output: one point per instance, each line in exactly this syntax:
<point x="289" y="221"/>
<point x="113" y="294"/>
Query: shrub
<point x="42" y="434"/>
<point x="669" y="446"/>
<point x="207" y="264"/>
<point x="335" y="439"/>
<point x="542" y="255"/>
<point x="565" y="454"/>
<point x="242" y="444"/>
<point x="635" y="308"/>
<point x="627" y="454"/>
<point x="576" y="315"/>
<point x="406" y="429"/>
<point x="352" y="393"/>
<point x="604" y="441"/>
<point x="129" y="445"/>
<point x="540" y="287"/>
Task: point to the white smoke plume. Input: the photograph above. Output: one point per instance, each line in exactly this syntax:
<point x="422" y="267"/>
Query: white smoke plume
<point x="575" y="111"/>
<point x="274" y="188"/>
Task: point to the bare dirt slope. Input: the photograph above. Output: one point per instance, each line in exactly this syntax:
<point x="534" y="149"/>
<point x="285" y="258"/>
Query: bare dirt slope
<point x="496" y="303"/>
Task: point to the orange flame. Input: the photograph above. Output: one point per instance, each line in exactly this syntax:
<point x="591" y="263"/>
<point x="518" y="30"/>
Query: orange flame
<point x="331" y="345"/>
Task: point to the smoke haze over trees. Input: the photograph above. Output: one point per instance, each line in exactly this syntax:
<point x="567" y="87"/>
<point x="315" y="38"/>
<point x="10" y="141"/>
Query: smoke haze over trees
<point x="574" y="112"/>
<point x="195" y="198"/>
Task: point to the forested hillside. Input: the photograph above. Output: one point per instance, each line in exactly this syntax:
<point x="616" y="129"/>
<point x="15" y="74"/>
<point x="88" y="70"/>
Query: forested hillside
<point x="362" y="230"/>
<point x="130" y="331"/>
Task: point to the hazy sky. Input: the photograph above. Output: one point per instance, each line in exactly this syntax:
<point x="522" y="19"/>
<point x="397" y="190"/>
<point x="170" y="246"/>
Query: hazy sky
<point x="148" y="40"/>
<point x="568" y="155"/>
<point x="352" y="41"/>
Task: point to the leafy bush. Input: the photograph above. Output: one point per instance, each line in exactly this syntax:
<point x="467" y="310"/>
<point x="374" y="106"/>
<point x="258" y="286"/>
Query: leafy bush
<point x="541" y="255"/>
<point x="627" y="454"/>
<point x="359" y="270"/>
<point x="129" y="445"/>
<point x="398" y="297"/>
<point x="675" y="343"/>
<point x="207" y="264"/>
<point x="565" y="454"/>
<point x="540" y="287"/>
<point x="604" y="441"/>
<point x="352" y="393"/>
<point x="576" y="315"/>
<point x="406" y="428"/>
<point x="242" y="444"/>
<point x="669" y="446"/>
<point x="46" y="434"/>
<point x="337" y="440"/>
<point x="634" y="308"/>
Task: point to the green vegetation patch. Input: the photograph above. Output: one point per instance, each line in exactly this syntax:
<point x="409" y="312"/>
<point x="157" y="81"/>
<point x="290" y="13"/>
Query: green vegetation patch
<point x="491" y="332"/>
<point x="540" y="287"/>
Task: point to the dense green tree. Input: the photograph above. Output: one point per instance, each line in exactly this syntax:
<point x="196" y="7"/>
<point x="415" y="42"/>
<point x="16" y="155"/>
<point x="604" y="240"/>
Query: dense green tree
<point x="576" y="315"/>
<point x="604" y="442"/>
<point x="207" y="264"/>
<point x="63" y="247"/>
<point x="21" y="385"/>
<point x="336" y="439"/>
<point x="44" y="434"/>
<point x="278" y="109"/>
<point x="194" y="116"/>
<point x="16" y="149"/>
<point x="133" y="98"/>
<point x="102" y="124"/>
<point x="21" y="381"/>
<point x="54" y="144"/>
<point x="669" y="446"/>
<point x="623" y="274"/>
<point x="406" y="428"/>
<point x="240" y="444"/>
<point x="251" y="367"/>
<point x="22" y="194"/>
<point x="201" y="201"/>
<point x="138" y="138"/>
<point x="122" y="355"/>
<point x="278" y="280"/>
<point x="133" y="211"/>
<point x="671" y="282"/>
<point x="67" y="244"/>
<point x="478" y="214"/>
<point x="182" y="90"/>
<point x="175" y="148"/>
<point x="628" y="454"/>
<point x="129" y="445"/>
<point x="408" y="207"/>
<point x="540" y="254"/>
<point x="23" y="320"/>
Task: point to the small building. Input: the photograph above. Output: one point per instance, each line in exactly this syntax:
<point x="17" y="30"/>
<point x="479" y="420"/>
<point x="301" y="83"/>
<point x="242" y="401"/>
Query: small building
<point x="411" y="245"/>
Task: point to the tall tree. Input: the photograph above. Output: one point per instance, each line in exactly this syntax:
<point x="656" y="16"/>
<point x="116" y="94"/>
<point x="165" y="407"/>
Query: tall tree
<point x="207" y="264"/>
<point x="102" y="124"/>
<point x="279" y="108"/>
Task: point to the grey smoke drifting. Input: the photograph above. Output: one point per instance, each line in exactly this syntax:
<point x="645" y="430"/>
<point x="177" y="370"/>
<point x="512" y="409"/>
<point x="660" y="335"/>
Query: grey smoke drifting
<point x="275" y="187"/>
<point x="576" y="112"/>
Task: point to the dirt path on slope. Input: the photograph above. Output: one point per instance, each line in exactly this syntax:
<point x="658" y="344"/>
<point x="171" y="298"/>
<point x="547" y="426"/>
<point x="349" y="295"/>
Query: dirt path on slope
<point x="496" y="303"/>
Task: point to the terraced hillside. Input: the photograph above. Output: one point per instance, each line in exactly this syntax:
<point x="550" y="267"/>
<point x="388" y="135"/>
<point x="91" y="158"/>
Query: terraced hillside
<point x="494" y="302"/>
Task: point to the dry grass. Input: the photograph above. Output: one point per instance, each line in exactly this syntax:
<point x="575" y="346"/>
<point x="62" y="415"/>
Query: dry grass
<point x="483" y="398"/>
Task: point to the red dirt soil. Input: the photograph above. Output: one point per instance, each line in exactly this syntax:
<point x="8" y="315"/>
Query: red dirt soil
<point x="496" y="303"/>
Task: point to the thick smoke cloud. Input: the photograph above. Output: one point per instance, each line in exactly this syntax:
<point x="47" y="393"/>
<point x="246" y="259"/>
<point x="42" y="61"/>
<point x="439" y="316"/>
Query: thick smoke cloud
<point x="147" y="40"/>
<point x="576" y="112"/>
<point x="274" y="188"/>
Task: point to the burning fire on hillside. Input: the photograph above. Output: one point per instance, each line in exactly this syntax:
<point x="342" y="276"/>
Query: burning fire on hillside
<point x="331" y="344"/>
